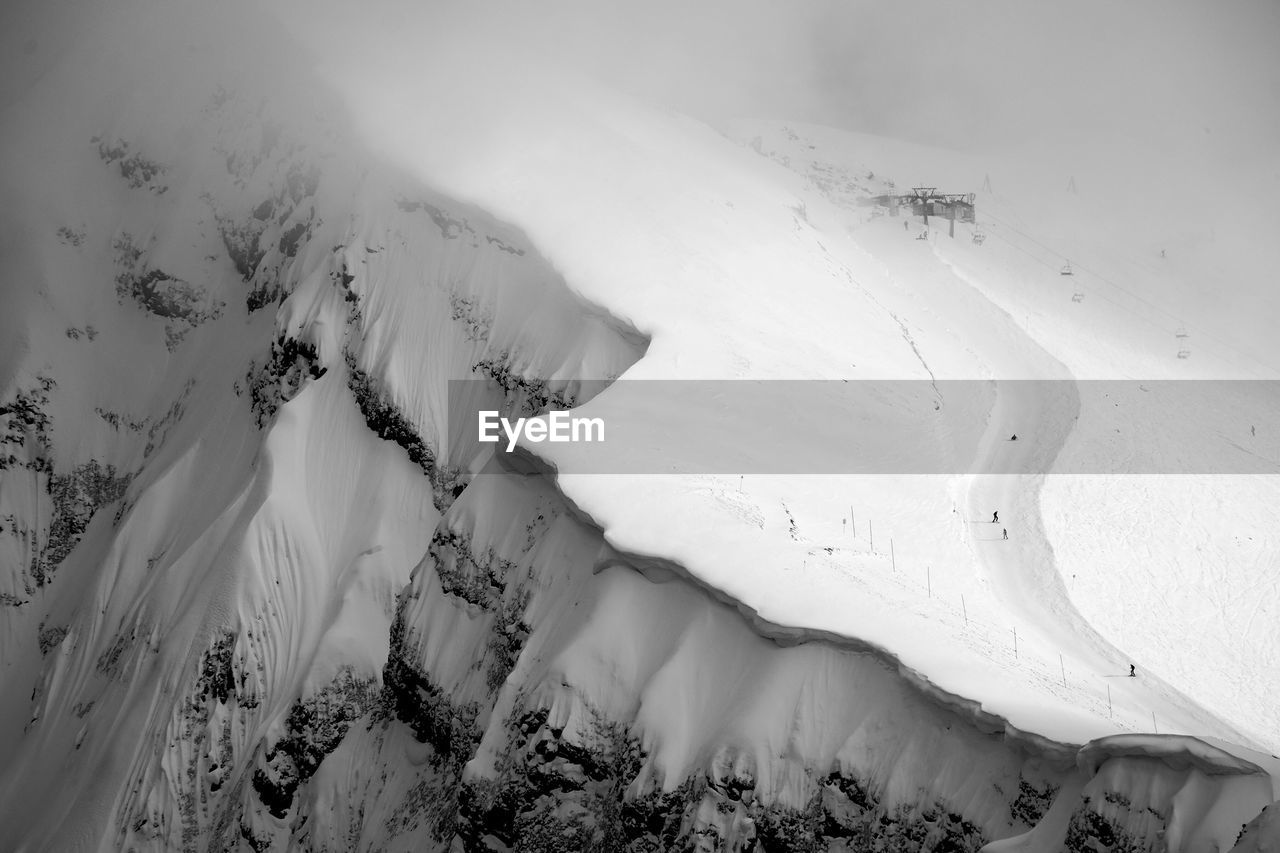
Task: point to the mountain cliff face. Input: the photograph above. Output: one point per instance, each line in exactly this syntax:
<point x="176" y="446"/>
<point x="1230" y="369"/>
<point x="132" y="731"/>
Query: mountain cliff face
<point x="254" y="596"/>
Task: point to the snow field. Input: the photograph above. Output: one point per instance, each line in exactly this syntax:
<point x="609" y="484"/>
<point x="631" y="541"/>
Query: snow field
<point x="886" y="309"/>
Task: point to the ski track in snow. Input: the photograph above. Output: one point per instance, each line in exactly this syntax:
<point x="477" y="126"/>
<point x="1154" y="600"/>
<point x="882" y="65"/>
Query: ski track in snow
<point x="964" y="326"/>
<point x="1024" y="569"/>
<point x="341" y="571"/>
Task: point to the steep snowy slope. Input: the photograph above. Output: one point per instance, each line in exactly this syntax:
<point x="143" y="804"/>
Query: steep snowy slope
<point x="257" y="595"/>
<point x="764" y="264"/>
<point x="203" y="250"/>
<point x="734" y="285"/>
<point x="1141" y="555"/>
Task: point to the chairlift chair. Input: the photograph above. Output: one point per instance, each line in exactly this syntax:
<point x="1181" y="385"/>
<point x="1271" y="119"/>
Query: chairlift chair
<point x="1181" y="333"/>
<point x="1184" y="353"/>
<point x="1066" y="269"/>
<point x="979" y="235"/>
<point x="1077" y="297"/>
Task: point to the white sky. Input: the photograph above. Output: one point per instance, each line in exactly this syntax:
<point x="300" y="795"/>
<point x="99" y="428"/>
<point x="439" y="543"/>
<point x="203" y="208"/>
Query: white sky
<point x="1149" y="104"/>
<point x="1186" y="74"/>
<point x="1197" y="78"/>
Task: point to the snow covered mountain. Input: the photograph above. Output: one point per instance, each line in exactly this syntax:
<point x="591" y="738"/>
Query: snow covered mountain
<point x="260" y="590"/>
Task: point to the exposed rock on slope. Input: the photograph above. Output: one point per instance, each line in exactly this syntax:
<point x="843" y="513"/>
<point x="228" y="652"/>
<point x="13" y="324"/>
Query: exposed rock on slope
<point x="256" y="595"/>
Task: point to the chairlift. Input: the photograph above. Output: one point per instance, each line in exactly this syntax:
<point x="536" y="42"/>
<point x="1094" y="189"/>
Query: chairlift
<point x="1184" y="353"/>
<point x="1077" y="297"/>
<point x="1181" y="333"/>
<point x="1066" y="269"/>
<point x="923" y="235"/>
<point x="979" y="235"/>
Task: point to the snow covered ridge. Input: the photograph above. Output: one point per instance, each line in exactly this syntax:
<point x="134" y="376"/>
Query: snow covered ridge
<point x="1192" y="797"/>
<point x="1180" y="753"/>
<point x="257" y="594"/>
<point x="711" y="237"/>
<point x="743" y="270"/>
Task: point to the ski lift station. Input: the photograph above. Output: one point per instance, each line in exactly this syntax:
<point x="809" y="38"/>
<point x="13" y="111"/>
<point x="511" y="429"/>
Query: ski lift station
<point x="927" y="201"/>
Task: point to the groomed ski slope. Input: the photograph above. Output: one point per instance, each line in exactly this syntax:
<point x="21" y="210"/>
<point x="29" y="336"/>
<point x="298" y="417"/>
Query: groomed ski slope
<point x="292" y="557"/>
<point x="738" y="268"/>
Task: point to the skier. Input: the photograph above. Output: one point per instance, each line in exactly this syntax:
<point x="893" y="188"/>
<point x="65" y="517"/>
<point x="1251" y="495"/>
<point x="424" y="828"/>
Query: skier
<point x="1013" y="437"/>
<point x="995" y="517"/>
<point x="1005" y="532"/>
<point x="1132" y="673"/>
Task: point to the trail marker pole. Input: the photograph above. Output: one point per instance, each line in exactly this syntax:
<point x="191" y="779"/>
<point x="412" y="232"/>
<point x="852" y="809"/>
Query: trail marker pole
<point x="872" y="533"/>
<point x="892" y="560"/>
<point x="964" y="609"/>
<point x="853" y="523"/>
<point x="928" y="579"/>
<point x="1109" y="700"/>
<point x="1063" y="667"/>
<point x="1154" y="727"/>
<point x="1015" y="643"/>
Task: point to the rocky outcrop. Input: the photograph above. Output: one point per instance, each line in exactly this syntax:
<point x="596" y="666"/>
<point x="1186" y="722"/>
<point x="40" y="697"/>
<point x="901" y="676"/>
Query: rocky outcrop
<point x="315" y="622"/>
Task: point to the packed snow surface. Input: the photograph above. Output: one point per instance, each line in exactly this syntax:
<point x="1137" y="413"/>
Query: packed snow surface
<point x="736" y="256"/>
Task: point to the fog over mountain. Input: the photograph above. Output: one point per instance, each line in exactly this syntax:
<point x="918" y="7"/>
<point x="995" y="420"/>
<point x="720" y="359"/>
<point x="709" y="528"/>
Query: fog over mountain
<point x="884" y="428"/>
